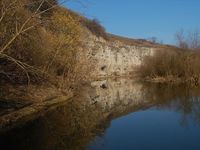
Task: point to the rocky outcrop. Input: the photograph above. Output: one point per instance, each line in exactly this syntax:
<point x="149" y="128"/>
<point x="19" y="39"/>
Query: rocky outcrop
<point x="115" y="57"/>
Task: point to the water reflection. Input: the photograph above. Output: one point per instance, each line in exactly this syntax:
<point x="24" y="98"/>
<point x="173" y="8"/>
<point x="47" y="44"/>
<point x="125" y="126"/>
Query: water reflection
<point x="178" y="98"/>
<point x="86" y="117"/>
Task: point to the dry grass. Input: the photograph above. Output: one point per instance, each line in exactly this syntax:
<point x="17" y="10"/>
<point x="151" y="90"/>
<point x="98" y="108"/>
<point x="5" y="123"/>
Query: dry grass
<point x="95" y="27"/>
<point x="137" y="42"/>
<point x="165" y="66"/>
<point x="40" y="44"/>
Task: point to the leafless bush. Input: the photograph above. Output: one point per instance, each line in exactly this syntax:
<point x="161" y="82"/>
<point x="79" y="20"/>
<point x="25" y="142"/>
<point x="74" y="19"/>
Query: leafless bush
<point x="190" y="40"/>
<point x="153" y="39"/>
<point x="46" y="6"/>
<point x="176" y="65"/>
<point x="19" y="38"/>
<point x="34" y="47"/>
<point x="95" y="27"/>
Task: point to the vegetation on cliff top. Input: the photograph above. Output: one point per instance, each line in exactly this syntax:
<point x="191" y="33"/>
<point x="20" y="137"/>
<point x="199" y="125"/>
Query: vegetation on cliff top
<point x="175" y="65"/>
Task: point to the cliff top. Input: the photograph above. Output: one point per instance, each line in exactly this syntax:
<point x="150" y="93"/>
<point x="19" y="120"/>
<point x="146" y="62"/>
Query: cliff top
<point x="95" y="27"/>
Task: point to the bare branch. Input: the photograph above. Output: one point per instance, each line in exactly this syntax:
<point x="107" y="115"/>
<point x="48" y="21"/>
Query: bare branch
<point x="5" y="9"/>
<point x="22" y="30"/>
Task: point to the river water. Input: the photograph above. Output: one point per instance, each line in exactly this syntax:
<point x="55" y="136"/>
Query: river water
<point x="119" y="114"/>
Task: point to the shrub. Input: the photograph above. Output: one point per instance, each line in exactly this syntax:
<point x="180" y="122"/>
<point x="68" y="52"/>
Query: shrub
<point x="183" y="65"/>
<point x="35" y="47"/>
<point x="20" y="40"/>
<point x="43" y="5"/>
<point x="95" y="27"/>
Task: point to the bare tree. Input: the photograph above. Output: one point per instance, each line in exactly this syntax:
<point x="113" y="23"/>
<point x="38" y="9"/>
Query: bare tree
<point x="189" y="40"/>
<point x="194" y="39"/>
<point x="153" y="39"/>
<point x="180" y="38"/>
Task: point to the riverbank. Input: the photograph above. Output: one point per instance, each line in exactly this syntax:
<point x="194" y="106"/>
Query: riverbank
<point x="177" y="66"/>
<point x="172" y="80"/>
<point x="28" y="113"/>
<point x="41" y="58"/>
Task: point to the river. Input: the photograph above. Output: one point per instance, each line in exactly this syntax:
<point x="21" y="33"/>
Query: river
<point x="116" y="114"/>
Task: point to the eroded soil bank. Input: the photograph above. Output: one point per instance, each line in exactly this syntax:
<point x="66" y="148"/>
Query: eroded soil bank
<point x="25" y="104"/>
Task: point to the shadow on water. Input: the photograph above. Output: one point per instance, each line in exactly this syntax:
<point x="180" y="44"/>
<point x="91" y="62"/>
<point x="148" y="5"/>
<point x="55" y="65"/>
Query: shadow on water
<point x="88" y="115"/>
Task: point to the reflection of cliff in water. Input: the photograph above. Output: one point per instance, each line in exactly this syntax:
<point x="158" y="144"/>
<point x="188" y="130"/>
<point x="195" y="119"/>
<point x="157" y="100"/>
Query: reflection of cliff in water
<point x="75" y="125"/>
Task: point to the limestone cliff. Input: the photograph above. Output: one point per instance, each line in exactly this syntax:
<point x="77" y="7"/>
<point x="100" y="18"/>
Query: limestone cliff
<point x="113" y="57"/>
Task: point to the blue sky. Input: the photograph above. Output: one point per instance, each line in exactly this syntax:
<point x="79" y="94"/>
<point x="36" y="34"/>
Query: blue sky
<point x="142" y="18"/>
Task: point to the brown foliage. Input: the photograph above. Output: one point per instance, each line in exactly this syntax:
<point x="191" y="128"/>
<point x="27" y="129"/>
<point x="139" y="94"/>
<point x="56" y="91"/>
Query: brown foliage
<point x="19" y="33"/>
<point x="95" y="27"/>
<point x="35" y="47"/>
<point x="45" y="5"/>
<point x="183" y="65"/>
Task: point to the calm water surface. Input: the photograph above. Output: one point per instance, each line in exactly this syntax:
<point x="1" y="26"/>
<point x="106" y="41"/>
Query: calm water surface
<point x="116" y="115"/>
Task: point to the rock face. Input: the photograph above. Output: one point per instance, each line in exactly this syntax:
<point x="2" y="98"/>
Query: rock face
<point x="115" y="58"/>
